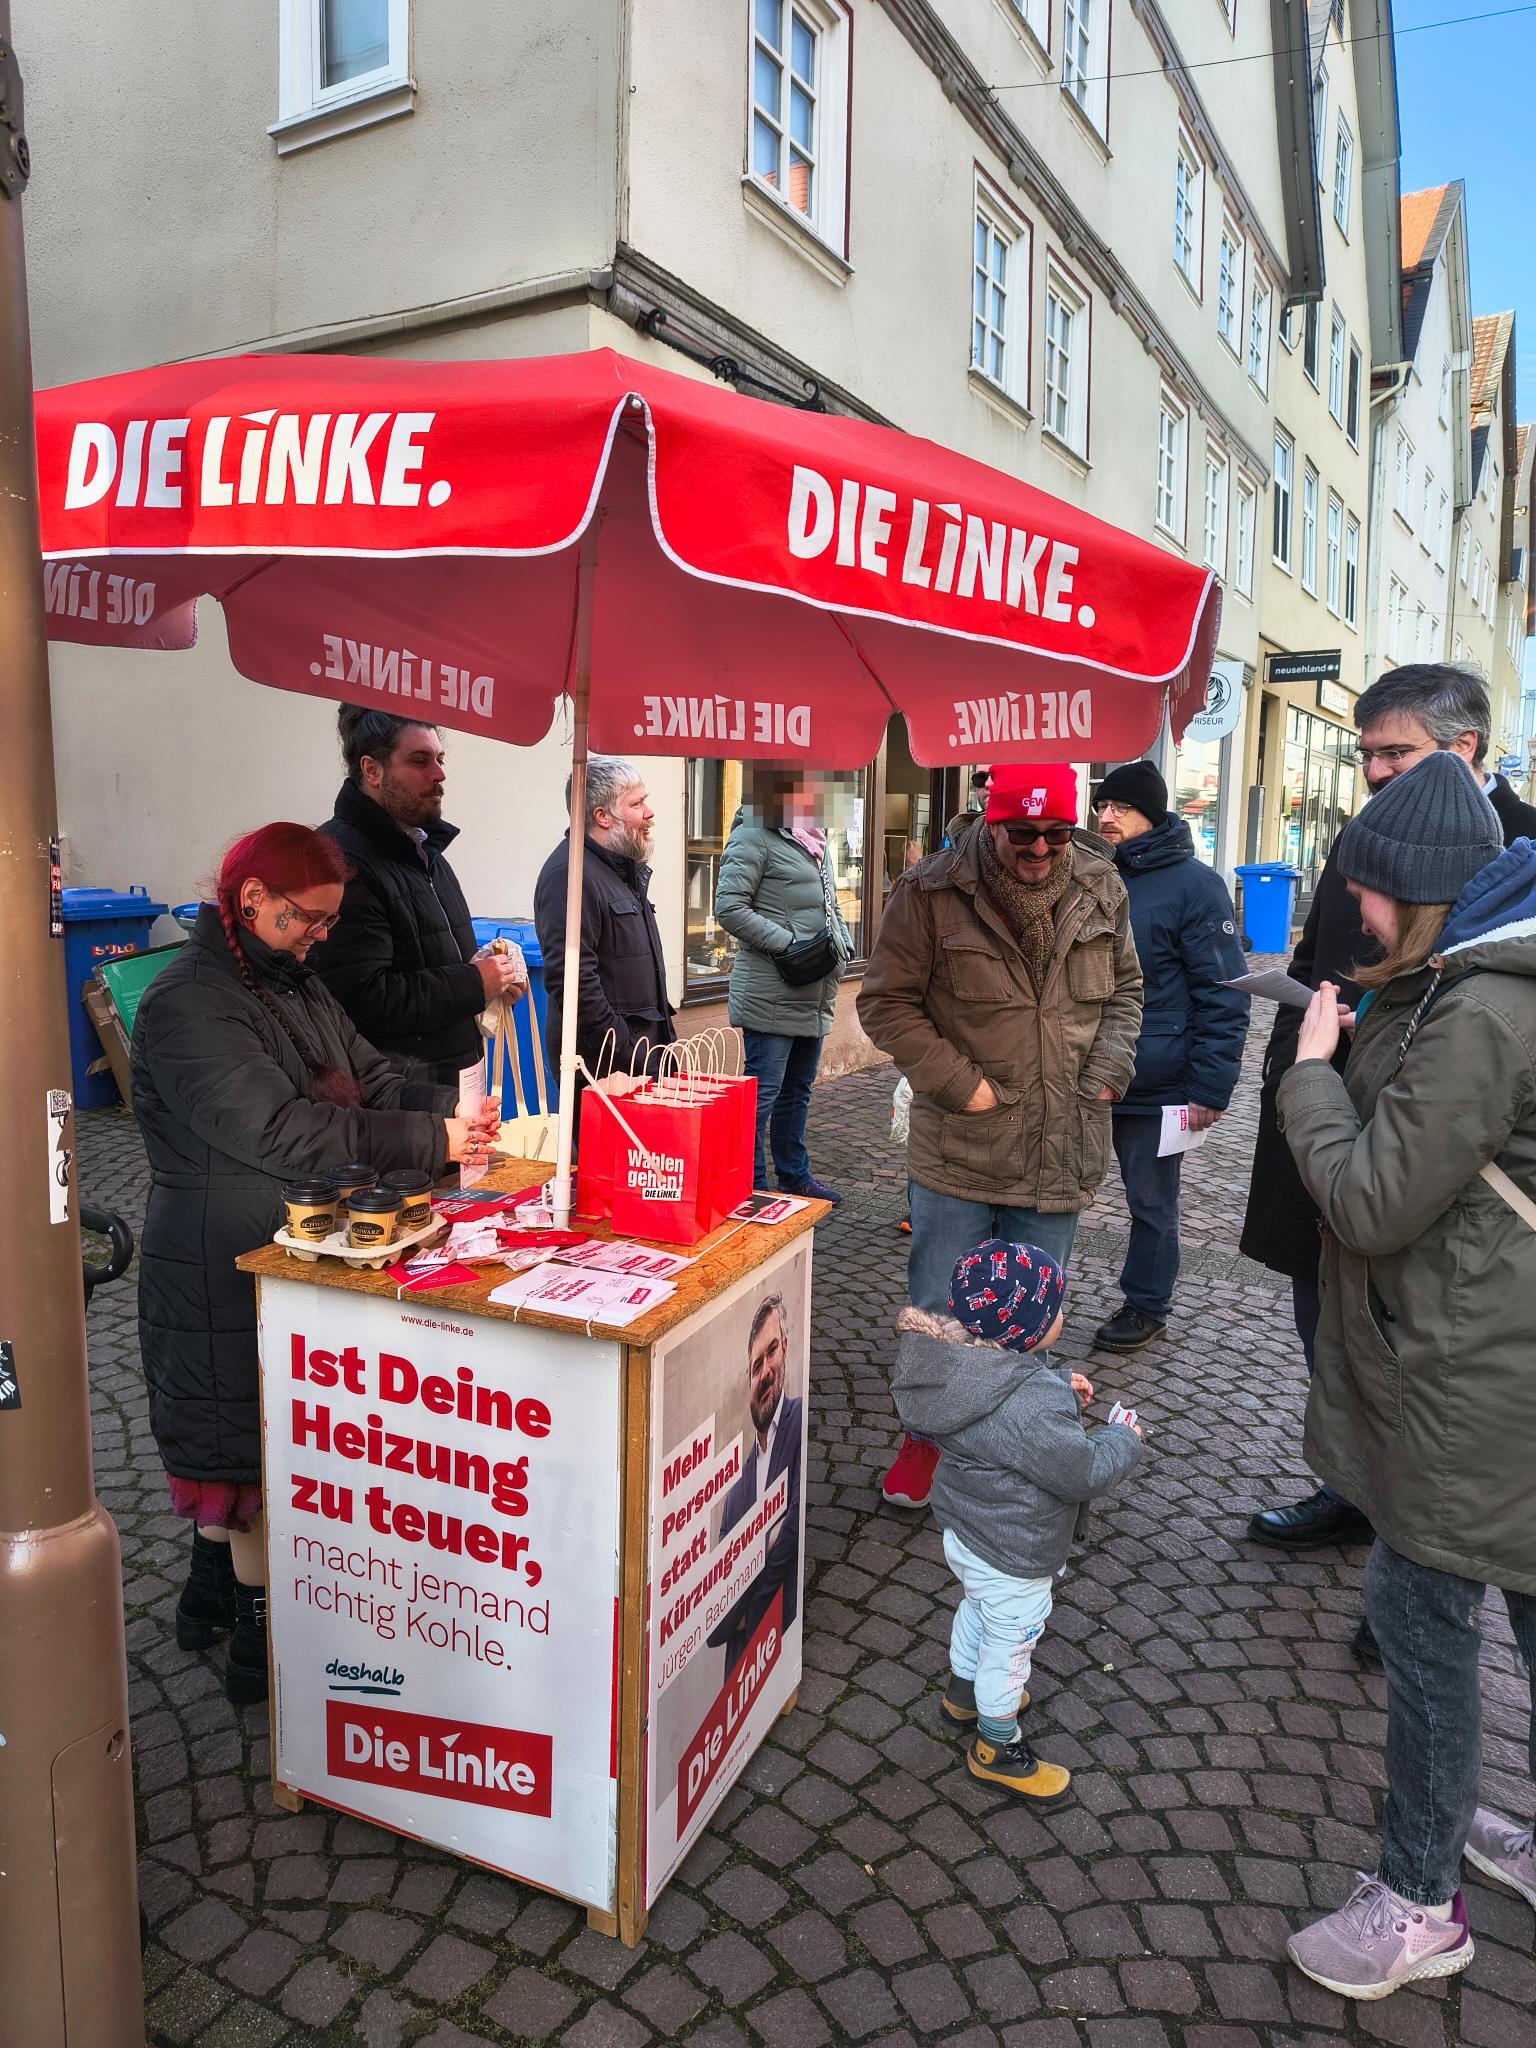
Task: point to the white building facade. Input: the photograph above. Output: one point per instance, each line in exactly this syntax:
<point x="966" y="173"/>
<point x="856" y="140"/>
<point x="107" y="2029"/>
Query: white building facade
<point x="1028" y="229"/>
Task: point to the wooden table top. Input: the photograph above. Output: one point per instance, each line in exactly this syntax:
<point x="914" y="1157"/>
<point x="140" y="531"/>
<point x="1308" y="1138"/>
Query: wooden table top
<point x="719" y="1260"/>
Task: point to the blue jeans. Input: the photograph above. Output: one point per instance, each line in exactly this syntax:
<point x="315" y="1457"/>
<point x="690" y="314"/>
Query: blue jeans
<point x="784" y="1069"/>
<point x="1152" y="1196"/>
<point x="944" y="1226"/>
<point x="996" y="1628"/>
<point x="1426" y="1623"/>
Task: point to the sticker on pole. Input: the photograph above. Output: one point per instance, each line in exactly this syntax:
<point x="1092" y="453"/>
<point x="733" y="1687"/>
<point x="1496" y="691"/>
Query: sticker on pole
<point x="55" y="891"/>
<point x="10" y="1386"/>
<point x="61" y="1156"/>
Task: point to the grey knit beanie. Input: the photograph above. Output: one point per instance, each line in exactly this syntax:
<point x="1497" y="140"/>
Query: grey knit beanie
<point x="1424" y="835"/>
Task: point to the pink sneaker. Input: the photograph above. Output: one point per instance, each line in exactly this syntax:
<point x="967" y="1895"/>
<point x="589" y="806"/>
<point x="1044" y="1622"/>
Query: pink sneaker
<point x="1502" y="1851"/>
<point x="1377" y="1942"/>
<point x="910" y="1479"/>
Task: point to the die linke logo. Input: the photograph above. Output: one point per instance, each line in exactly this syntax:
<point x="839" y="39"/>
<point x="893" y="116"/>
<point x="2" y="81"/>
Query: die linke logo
<point x="942" y="548"/>
<point x="723" y="1725"/>
<point x="466" y="1760"/>
<point x="255" y="458"/>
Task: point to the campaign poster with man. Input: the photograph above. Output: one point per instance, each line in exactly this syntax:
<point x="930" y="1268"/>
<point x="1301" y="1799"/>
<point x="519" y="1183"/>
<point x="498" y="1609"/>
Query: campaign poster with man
<point x="726" y="1545"/>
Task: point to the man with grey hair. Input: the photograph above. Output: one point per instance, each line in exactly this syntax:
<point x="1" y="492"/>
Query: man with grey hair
<point x="622" y="981"/>
<point x="1408" y="714"/>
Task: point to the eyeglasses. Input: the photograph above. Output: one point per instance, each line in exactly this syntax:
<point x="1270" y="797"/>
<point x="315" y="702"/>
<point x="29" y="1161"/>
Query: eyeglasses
<point x="317" y="921"/>
<point x="1055" y="836"/>
<point x="1107" y="803"/>
<point x="1393" y="757"/>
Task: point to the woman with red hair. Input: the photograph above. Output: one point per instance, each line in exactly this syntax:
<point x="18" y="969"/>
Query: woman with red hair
<point x="247" y="1073"/>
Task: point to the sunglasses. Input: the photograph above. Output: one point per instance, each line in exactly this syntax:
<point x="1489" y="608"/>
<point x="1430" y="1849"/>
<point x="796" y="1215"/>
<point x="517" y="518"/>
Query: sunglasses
<point x="1055" y="836"/>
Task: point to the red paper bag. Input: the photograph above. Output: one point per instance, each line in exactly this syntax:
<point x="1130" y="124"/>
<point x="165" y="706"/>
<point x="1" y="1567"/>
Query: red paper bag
<point x="597" y="1139"/>
<point x="666" y="1187"/>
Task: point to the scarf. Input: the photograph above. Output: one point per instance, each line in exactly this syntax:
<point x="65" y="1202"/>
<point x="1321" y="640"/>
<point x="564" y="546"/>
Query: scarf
<point x="812" y="838"/>
<point x="1028" y="908"/>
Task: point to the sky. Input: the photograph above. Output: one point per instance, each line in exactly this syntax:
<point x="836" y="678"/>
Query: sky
<point x="1464" y="109"/>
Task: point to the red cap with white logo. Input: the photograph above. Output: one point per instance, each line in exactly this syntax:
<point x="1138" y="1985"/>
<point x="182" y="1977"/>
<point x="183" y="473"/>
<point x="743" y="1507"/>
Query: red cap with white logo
<point x="1036" y="790"/>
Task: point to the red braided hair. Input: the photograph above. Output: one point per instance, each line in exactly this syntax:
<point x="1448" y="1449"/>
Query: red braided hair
<point x="286" y="858"/>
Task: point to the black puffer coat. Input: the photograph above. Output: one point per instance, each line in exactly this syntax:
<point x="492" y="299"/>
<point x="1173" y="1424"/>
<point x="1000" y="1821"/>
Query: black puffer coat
<point x="622" y="979"/>
<point x="398" y="962"/>
<point x="222" y="1099"/>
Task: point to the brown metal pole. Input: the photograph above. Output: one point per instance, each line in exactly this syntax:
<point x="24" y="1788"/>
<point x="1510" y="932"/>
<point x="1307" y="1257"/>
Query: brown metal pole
<point x="69" y="1944"/>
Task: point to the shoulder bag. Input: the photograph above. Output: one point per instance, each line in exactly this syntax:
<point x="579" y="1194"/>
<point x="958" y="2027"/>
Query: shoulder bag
<point x="808" y="960"/>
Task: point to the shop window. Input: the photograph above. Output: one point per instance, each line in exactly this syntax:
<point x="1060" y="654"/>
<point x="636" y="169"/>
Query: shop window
<point x="1321" y="787"/>
<point x="1197" y="793"/>
<point x="716" y="791"/>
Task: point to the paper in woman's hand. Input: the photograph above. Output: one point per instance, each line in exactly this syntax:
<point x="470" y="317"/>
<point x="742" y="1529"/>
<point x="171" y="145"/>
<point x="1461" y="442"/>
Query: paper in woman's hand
<point x="1273" y="985"/>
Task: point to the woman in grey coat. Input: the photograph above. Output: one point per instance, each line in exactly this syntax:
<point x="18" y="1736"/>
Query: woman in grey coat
<point x="777" y="889"/>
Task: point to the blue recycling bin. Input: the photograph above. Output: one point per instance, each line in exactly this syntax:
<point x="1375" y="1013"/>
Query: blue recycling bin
<point x="1269" y="898"/>
<point x="534" y="1064"/>
<point x="99" y="924"/>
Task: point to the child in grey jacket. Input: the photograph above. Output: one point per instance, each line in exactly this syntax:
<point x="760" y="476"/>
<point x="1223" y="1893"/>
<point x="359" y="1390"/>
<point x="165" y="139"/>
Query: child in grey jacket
<point x="1017" y="1470"/>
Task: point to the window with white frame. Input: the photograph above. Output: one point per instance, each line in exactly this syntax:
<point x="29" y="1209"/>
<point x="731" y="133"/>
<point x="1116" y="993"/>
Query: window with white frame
<point x="1229" y="7"/>
<point x="1213" y="544"/>
<point x="1426" y="508"/>
<point x="1466" y="543"/>
<point x="1319" y="121"/>
<point x="1343" y="168"/>
<point x="799" y="109"/>
<point x="1445" y="392"/>
<point x="1403" y="478"/>
<point x="1036" y="17"/>
<point x="1459" y="649"/>
<point x="1352" y="571"/>
<point x="342" y="64"/>
<point x="1084" y="58"/>
<point x="1247" y="523"/>
<point x="1421" y="634"/>
<point x="1443" y="533"/>
<point x="1068" y="338"/>
<point x="1352" y="396"/>
<point x="1258" y="333"/>
<point x="1338" y="335"/>
<point x="1188" y="209"/>
<point x="1172" y="465"/>
<point x="1000" y="296"/>
<point x="1333" y="561"/>
<point x="1477" y="574"/>
<point x="1281" y="490"/>
<point x="1229" y="286"/>
<point x="1290" y="328"/>
<point x="1309" y="529"/>
<point x="1397" y="603"/>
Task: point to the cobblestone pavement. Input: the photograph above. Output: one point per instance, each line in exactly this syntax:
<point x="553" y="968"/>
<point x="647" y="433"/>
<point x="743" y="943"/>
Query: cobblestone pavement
<point x="858" y="1886"/>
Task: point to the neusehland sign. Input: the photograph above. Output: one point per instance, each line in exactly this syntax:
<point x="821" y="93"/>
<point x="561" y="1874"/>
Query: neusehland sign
<point x="1319" y="665"/>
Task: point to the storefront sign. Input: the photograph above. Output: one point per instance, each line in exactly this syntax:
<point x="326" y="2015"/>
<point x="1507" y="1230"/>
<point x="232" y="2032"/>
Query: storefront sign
<point x="727" y="1542"/>
<point x="1223" y="704"/>
<point x="442" y="1544"/>
<point x="1321" y="664"/>
<point x="1333" y="697"/>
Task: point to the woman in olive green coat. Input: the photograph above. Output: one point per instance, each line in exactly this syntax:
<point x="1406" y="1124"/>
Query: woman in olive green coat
<point x="1422" y="1411"/>
<point x="777" y="889"/>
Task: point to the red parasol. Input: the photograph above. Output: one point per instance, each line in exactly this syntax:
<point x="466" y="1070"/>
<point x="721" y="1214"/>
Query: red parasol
<point x="703" y="574"/>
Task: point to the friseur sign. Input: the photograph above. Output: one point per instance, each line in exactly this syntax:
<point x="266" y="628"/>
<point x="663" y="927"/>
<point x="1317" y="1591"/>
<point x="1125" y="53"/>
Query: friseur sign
<point x="1320" y="665"/>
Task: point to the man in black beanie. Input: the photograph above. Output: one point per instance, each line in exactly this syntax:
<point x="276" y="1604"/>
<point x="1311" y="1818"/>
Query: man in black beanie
<point x="1192" y="1029"/>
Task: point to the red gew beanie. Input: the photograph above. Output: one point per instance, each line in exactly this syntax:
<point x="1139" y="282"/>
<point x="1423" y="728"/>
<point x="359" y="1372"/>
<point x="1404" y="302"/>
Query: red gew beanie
<point x="1034" y="791"/>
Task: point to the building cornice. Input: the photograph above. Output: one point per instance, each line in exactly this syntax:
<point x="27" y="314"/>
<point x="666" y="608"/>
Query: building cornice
<point x="964" y="86"/>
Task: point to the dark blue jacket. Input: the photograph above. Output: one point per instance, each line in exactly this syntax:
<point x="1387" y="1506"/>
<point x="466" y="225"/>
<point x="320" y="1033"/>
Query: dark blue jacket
<point x="1192" y="1029"/>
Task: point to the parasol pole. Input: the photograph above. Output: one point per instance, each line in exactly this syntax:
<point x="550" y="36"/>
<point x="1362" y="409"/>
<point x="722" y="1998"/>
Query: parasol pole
<point x="581" y="691"/>
<point x="69" y="1936"/>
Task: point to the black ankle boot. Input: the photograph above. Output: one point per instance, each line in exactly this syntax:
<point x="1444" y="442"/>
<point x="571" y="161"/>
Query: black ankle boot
<point x="206" y="1609"/>
<point x="245" y="1674"/>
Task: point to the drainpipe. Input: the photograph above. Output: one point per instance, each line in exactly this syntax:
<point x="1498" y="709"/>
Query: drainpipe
<point x="69" y="1942"/>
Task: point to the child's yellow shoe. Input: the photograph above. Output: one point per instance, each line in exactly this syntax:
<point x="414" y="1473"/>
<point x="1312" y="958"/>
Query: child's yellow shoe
<point x="958" y="1701"/>
<point x="1015" y="1768"/>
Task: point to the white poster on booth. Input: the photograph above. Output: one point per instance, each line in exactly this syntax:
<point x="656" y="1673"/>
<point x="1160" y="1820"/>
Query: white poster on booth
<point x="727" y="1545"/>
<point x="443" y="1516"/>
